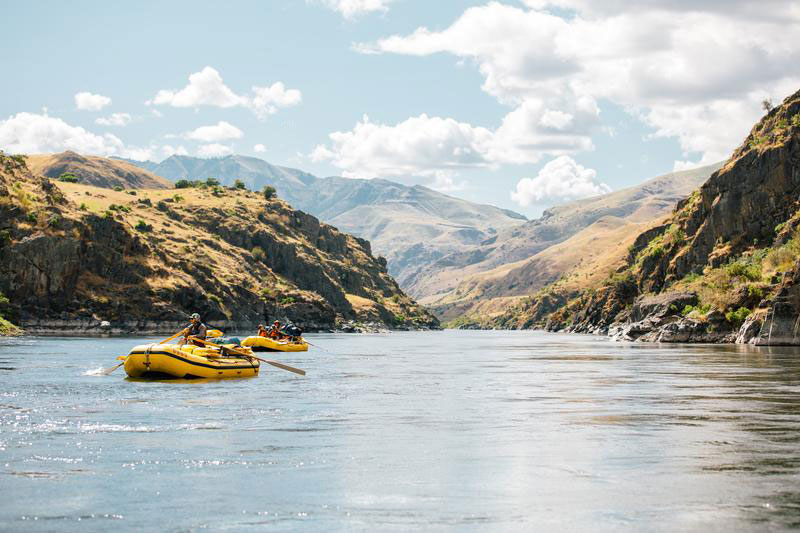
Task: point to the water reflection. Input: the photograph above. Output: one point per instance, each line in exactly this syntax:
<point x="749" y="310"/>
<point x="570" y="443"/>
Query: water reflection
<point x="489" y="430"/>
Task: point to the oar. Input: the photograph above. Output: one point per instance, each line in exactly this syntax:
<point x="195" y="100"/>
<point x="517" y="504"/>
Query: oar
<point x="165" y="341"/>
<point x="320" y="347"/>
<point x="245" y="354"/>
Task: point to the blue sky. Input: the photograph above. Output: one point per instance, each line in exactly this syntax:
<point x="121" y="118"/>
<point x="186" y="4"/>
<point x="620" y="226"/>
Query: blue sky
<point x="548" y="100"/>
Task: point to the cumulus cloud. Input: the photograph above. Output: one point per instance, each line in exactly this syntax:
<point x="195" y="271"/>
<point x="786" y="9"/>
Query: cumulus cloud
<point x="207" y="88"/>
<point x="433" y="146"/>
<point x="560" y="180"/>
<point x="267" y="100"/>
<point x="115" y="119"/>
<point x="214" y="150"/>
<point x="91" y="102"/>
<point x="259" y="148"/>
<point x="694" y="71"/>
<point x="169" y="150"/>
<point x="31" y="133"/>
<point x="351" y="9"/>
<point x="219" y="132"/>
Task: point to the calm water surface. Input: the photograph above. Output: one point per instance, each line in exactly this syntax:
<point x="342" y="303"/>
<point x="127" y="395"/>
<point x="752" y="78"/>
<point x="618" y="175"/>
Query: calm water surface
<point x="484" y="431"/>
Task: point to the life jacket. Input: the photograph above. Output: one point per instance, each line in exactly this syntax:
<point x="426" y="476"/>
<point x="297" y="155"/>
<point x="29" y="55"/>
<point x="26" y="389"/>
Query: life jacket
<point x="194" y="329"/>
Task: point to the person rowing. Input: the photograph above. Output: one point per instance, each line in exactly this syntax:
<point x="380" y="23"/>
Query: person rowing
<point x="196" y="328"/>
<point x="275" y="331"/>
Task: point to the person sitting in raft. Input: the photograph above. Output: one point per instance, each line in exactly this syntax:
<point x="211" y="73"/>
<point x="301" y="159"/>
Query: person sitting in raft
<point x="195" y="329"/>
<point x="275" y="331"/>
<point x="262" y="331"/>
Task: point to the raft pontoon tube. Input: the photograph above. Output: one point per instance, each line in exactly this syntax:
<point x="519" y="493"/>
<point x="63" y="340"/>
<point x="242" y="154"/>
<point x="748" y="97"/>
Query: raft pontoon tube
<point x="187" y="361"/>
<point x="265" y="344"/>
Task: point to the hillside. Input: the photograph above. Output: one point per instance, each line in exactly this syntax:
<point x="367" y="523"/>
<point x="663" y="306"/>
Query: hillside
<point x="521" y="260"/>
<point x="722" y="267"/>
<point x="97" y="171"/>
<point x="75" y="255"/>
<point x="410" y="226"/>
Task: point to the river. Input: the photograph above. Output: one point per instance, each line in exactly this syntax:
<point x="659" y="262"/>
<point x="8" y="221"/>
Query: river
<point x="481" y="431"/>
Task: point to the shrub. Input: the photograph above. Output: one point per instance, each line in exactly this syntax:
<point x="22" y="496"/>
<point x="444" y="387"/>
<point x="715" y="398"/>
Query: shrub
<point x="108" y="214"/>
<point x="212" y="182"/>
<point x="744" y="269"/>
<point x="32" y="218"/>
<point x="269" y="192"/>
<point x="395" y="298"/>
<point x="183" y="184"/>
<point x="132" y="193"/>
<point x="54" y="220"/>
<point x="400" y="319"/>
<point x="287" y="300"/>
<point x="755" y="292"/>
<point x="177" y="198"/>
<point x="118" y="188"/>
<point x="68" y="177"/>
<point x="738" y="316"/>
<point x="258" y="253"/>
<point x="84" y="207"/>
<point x="796" y="120"/>
<point x="143" y="226"/>
<point x="676" y="235"/>
<point x="239" y="184"/>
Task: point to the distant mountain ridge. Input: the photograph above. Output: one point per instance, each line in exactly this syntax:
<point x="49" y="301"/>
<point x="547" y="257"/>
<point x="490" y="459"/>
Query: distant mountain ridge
<point x="411" y="226"/>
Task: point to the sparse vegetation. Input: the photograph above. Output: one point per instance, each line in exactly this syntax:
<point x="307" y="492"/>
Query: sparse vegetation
<point x="239" y="184"/>
<point x="269" y="192"/>
<point x="183" y="184"/>
<point x="737" y="317"/>
<point x="143" y="226"/>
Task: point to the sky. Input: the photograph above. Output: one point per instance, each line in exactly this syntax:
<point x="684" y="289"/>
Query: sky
<point x="521" y="104"/>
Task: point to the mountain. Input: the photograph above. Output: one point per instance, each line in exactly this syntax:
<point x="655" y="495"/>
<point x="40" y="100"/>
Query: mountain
<point x="410" y="226"/>
<point x="73" y="256"/>
<point x="522" y="259"/>
<point x="722" y="267"/>
<point x="97" y="171"/>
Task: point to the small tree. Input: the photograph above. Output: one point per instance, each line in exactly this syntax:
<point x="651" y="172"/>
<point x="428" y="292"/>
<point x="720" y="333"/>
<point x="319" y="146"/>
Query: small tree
<point x="68" y="177"/>
<point x="269" y="192"/>
<point x="212" y="182"/>
<point x="239" y="184"/>
<point x="183" y="184"/>
<point x="766" y="104"/>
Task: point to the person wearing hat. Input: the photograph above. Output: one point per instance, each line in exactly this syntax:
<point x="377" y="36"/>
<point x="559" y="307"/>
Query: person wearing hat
<point x="196" y="329"/>
<point x="275" y="331"/>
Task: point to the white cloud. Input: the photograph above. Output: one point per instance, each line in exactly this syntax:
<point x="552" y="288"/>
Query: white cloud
<point x="560" y="180"/>
<point x="351" y="9"/>
<point x="219" y="132"/>
<point x="259" y="148"/>
<point x="33" y="133"/>
<point x="91" y="102"/>
<point x="206" y="88"/>
<point x="431" y="146"/>
<point x="267" y="100"/>
<point x="214" y="150"/>
<point x="692" y="70"/>
<point x="169" y="150"/>
<point x="115" y="119"/>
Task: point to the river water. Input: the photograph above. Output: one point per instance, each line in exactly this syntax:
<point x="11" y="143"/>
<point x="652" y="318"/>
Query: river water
<point x="483" y="431"/>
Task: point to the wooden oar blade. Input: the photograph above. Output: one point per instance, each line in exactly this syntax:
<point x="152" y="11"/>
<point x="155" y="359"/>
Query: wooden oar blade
<point x="285" y="367"/>
<point x="108" y="371"/>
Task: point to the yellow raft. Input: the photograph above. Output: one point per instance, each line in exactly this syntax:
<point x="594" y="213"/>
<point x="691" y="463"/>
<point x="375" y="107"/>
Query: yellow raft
<point x="187" y="361"/>
<point x="265" y="344"/>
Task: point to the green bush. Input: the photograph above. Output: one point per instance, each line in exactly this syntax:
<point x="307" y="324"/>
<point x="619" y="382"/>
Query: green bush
<point x="754" y="291"/>
<point x="287" y="300"/>
<point x="143" y="226"/>
<point x="399" y="319"/>
<point x="269" y="192"/>
<point x="118" y="188"/>
<point x="738" y="316"/>
<point x="239" y="184"/>
<point x="744" y="269"/>
<point x="183" y="184"/>
<point x="177" y="198"/>
<point x="68" y="177"/>
<point x="212" y="182"/>
<point x="258" y="253"/>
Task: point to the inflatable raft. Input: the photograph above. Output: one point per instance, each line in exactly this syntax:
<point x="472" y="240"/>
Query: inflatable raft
<point x="187" y="361"/>
<point x="265" y="344"/>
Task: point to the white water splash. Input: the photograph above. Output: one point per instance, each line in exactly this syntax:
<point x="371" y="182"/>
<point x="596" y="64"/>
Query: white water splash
<point x="99" y="371"/>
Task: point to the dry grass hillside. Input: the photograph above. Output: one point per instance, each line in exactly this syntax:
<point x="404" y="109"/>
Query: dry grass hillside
<point x="98" y="171"/>
<point x="82" y="254"/>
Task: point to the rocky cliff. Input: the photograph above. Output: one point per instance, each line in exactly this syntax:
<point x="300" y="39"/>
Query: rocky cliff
<point x="79" y="259"/>
<point x="722" y="268"/>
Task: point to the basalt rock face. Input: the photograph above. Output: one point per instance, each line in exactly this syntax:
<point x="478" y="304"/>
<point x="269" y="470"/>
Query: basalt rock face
<point x="76" y="259"/>
<point x="723" y="268"/>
